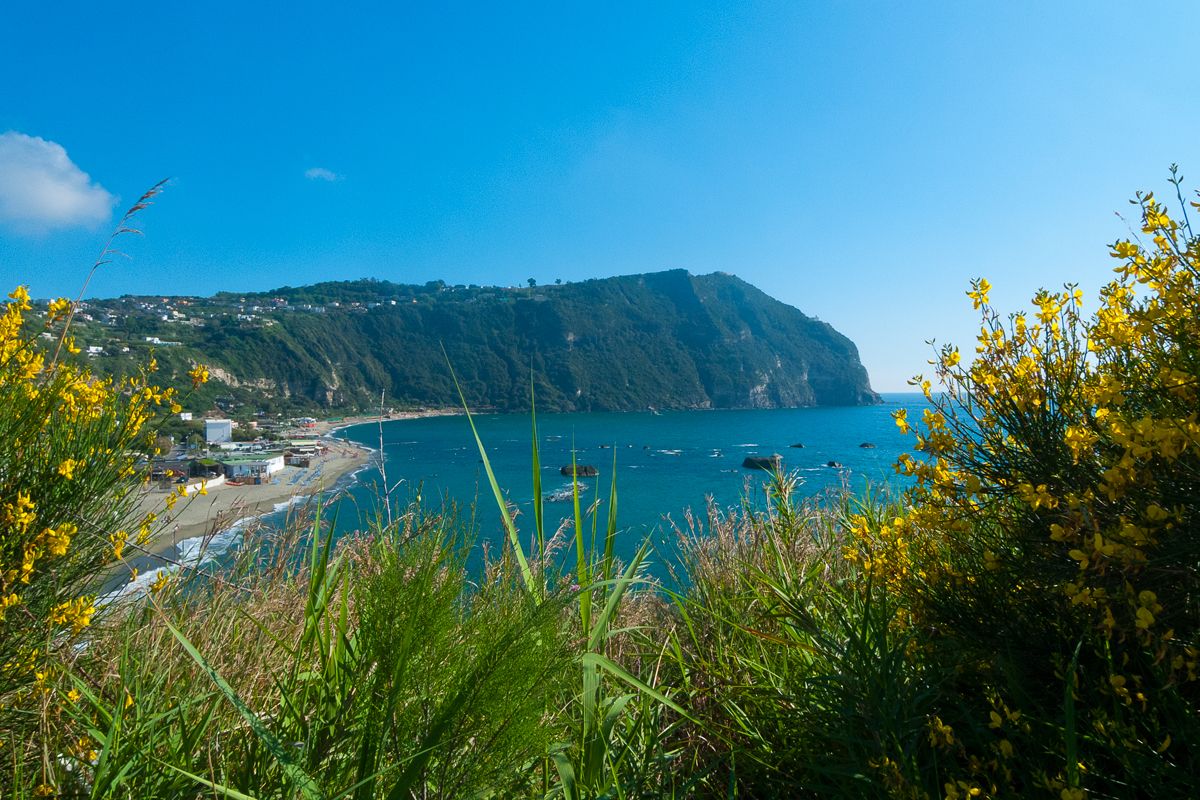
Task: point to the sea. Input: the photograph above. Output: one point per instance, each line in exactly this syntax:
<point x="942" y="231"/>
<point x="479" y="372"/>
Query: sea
<point x="665" y="463"/>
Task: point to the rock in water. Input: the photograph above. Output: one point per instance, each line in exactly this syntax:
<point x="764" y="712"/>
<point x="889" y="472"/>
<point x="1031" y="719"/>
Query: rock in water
<point x="771" y="462"/>
<point x="581" y="471"/>
<point x="867" y="445"/>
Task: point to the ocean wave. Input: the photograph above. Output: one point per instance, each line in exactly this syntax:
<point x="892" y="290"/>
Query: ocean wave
<point x="191" y="553"/>
<point x="135" y="588"/>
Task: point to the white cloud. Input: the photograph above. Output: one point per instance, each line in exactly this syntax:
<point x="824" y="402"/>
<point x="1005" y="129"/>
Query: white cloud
<point x="41" y="188"/>
<point x="321" y="174"/>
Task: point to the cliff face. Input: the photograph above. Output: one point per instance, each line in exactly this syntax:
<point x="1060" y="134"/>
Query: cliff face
<point x="670" y="339"/>
<point x="667" y="340"/>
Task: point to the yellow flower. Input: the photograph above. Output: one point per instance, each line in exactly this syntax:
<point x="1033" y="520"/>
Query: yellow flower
<point x="21" y="295"/>
<point x="10" y="599"/>
<point x="979" y="296"/>
<point x="160" y="582"/>
<point x="57" y="540"/>
<point x="199" y="375"/>
<point x="1144" y="618"/>
<point x="118" y="541"/>
<point x="59" y="308"/>
<point x="67" y="468"/>
<point x="77" y="613"/>
<point x="940" y="734"/>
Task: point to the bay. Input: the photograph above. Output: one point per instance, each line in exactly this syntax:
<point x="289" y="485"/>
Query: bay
<point x="665" y="462"/>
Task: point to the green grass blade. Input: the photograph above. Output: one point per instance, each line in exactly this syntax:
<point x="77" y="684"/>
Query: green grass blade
<point x="605" y="663"/>
<point x="307" y="786"/>
<point x="1072" y="743"/>
<point x="599" y="630"/>
<point x="581" y="554"/>
<point x="566" y="776"/>
<point x="611" y="532"/>
<point x="224" y="791"/>
<point x="511" y="527"/>
<point x="539" y="512"/>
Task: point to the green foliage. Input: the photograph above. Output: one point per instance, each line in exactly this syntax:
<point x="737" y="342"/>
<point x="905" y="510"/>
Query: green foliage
<point x="370" y="672"/>
<point x="605" y="721"/>
<point x="67" y="475"/>
<point x="668" y="340"/>
<point x="791" y="656"/>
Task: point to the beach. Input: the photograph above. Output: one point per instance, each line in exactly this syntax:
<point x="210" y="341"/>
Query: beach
<point x="222" y="506"/>
<point x="211" y="522"/>
<point x="329" y="426"/>
<point x="225" y="505"/>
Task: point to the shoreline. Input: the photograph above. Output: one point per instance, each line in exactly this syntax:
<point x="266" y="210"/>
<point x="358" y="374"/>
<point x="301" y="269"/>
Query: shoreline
<point x="202" y="519"/>
<point x="326" y="428"/>
<point x="225" y="507"/>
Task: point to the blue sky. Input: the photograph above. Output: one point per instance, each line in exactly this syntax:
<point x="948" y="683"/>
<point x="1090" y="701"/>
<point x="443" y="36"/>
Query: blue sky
<point x="861" y="161"/>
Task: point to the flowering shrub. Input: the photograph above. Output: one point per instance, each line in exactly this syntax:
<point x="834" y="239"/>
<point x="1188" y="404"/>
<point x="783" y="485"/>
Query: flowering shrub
<point x="1048" y="555"/>
<point x="68" y="467"/>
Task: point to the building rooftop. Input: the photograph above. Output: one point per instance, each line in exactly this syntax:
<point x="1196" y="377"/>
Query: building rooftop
<point x="254" y="459"/>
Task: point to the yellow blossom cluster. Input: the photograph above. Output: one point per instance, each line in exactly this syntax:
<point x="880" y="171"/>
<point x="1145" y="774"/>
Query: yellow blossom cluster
<point x="76" y="614"/>
<point x="71" y="448"/>
<point x="1060" y="468"/>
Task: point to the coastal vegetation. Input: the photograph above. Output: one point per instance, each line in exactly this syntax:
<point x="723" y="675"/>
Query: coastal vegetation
<point x="1022" y="622"/>
<point x="662" y="340"/>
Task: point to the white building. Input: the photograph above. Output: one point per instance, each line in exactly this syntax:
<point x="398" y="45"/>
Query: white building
<point x="185" y="416"/>
<point x="218" y="430"/>
<point x="243" y="467"/>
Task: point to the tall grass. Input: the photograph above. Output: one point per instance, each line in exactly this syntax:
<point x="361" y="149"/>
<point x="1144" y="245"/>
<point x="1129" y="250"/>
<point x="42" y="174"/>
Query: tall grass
<point x="372" y="670"/>
<point x="379" y="667"/>
<point x="792" y="660"/>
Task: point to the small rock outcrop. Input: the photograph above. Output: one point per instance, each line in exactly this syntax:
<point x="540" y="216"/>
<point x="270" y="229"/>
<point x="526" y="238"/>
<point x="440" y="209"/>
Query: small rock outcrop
<point x="867" y="445"/>
<point x="580" y="471"/>
<point x="833" y="464"/>
<point x="772" y="462"/>
<point x="798" y="444"/>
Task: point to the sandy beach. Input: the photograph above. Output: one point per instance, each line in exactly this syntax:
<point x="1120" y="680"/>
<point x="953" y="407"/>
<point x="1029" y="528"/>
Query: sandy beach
<point x="326" y="427"/>
<point x="201" y="515"/>
<point x="222" y="506"/>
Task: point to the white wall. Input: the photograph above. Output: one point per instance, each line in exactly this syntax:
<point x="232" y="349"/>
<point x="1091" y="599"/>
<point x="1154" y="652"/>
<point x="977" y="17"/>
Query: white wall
<point x="218" y="430"/>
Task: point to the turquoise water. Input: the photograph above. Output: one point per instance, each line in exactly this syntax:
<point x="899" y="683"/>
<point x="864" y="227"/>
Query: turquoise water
<point x="665" y="463"/>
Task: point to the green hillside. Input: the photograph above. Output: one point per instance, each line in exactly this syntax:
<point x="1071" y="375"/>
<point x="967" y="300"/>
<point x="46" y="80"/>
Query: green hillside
<point x="663" y="340"/>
